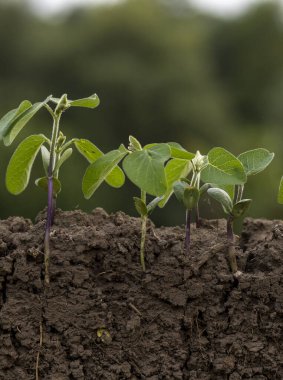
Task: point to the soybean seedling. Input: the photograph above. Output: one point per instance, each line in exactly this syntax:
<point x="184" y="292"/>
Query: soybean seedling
<point x="253" y="161"/>
<point x="54" y="151"/>
<point x="218" y="166"/>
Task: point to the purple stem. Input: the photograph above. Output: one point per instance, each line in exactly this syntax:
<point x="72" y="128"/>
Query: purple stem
<point x="188" y="231"/>
<point x="49" y="222"/>
<point x="197" y="216"/>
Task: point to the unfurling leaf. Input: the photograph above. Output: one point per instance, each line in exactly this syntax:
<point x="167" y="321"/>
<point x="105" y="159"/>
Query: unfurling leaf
<point x="140" y="206"/>
<point x="223" y="198"/>
<point x="190" y="197"/>
<point x="134" y="144"/>
<point x="65" y="155"/>
<point x="241" y="207"/>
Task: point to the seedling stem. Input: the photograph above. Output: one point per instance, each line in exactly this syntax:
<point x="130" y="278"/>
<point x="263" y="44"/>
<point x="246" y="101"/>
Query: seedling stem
<point x="143" y="233"/>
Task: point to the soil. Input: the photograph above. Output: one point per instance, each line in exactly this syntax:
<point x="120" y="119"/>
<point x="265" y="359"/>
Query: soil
<point x="187" y="317"/>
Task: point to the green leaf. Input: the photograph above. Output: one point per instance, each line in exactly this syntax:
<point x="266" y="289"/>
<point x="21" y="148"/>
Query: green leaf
<point x="179" y="189"/>
<point x="280" y="192"/>
<point x="256" y="160"/>
<point x="90" y="102"/>
<point x="43" y="184"/>
<point x="152" y="205"/>
<point x="140" y="206"/>
<point x="45" y="155"/>
<point x="145" y="168"/>
<point x="230" y="189"/>
<point x="177" y="151"/>
<point x="174" y="170"/>
<point x="223" y="168"/>
<point x="204" y="188"/>
<point x="10" y="130"/>
<point x="11" y="115"/>
<point x="97" y="172"/>
<point x="223" y="198"/>
<point x="91" y="152"/>
<point x="190" y="197"/>
<point x="19" y="167"/>
<point x="65" y="155"/>
<point x="241" y="207"/>
<point x="134" y="143"/>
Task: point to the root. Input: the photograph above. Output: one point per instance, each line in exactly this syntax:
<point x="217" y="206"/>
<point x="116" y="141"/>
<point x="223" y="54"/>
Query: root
<point x="39" y="350"/>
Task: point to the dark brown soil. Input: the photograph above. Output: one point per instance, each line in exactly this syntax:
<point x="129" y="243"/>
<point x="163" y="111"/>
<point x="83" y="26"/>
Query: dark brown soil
<point x="103" y="318"/>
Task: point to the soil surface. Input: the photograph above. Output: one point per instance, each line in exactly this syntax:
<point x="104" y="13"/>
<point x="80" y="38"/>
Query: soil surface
<point x="186" y="318"/>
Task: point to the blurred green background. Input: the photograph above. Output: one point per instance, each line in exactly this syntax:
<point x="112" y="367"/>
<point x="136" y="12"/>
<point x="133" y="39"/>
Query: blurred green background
<point x="164" y="72"/>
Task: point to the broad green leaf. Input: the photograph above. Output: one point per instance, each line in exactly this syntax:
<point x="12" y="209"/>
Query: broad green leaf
<point x="223" y="198"/>
<point x="116" y="177"/>
<point x="45" y="155"/>
<point x="43" y="184"/>
<point x="190" y="197"/>
<point x="174" y="170"/>
<point x="223" y="168"/>
<point x="230" y="189"/>
<point x="90" y="102"/>
<point x="179" y="188"/>
<point x="203" y="189"/>
<point x="256" y="160"/>
<point x="10" y="130"/>
<point x="280" y="192"/>
<point x="19" y="167"/>
<point x="65" y="155"/>
<point x="140" y="206"/>
<point x="177" y="151"/>
<point x="145" y="168"/>
<point x="97" y="172"/>
<point x="241" y="207"/>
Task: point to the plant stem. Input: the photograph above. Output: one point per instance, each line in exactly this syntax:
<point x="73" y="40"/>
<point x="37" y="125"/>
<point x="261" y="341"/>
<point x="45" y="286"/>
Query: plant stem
<point x="143" y="233"/>
<point x="231" y="246"/>
<point x="50" y="197"/>
<point x="239" y="193"/>
<point x="197" y="216"/>
<point x="188" y="231"/>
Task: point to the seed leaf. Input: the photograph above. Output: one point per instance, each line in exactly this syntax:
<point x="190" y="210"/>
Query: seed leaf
<point x="152" y="205"/>
<point x="190" y="197"/>
<point x="24" y="113"/>
<point x="174" y="170"/>
<point x="256" y="160"/>
<point x="19" y="167"/>
<point x="223" y="168"/>
<point x="43" y="184"/>
<point x="223" y="198"/>
<point x="45" y="155"/>
<point x="179" y="188"/>
<point x="280" y="192"/>
<point x="98" y="171"/>
<point x="145" y="168"/>
<point x="140" y="206"/>
<point x="241" y="207"/>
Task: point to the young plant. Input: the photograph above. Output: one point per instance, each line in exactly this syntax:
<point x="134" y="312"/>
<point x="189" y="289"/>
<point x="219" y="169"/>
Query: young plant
<point x="55" y="151"/>
<point x="253" y="161"/>
<point x="219" y="166"/>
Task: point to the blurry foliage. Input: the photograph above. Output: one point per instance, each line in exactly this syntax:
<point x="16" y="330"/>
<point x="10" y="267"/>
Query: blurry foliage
<point x="163" y="72"/>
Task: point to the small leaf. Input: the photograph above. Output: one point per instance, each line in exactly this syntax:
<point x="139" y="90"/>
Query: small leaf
<point x="11" y="115"/>
<point x="190" y="197"/>
<point x="45" y="155"/>
<point x="43" y="184"/>
<point x="222" y="197"/>
<point x="241" y="207"/>
<point x="223" y="168"/>
<point x="230" y="189"/>
<point x="140" y="206"/>
<point x="204" y="188"/>
<point x="174" y="170"/>
<point x="153" y="204"/>
<point x="97" y="172"/>
<point x="145" y="168"/>
<point x="90" y="102"/>
<point x="134" y="143"/>
<point x="256" y="160"/>
<point x="91" y="152"/>
<point x="10" y="130"/>
<point x="65" y="155"/>
<point x="280" y="192"/>
<point x="19" y="167"/>
<point x="177" y="151"/>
